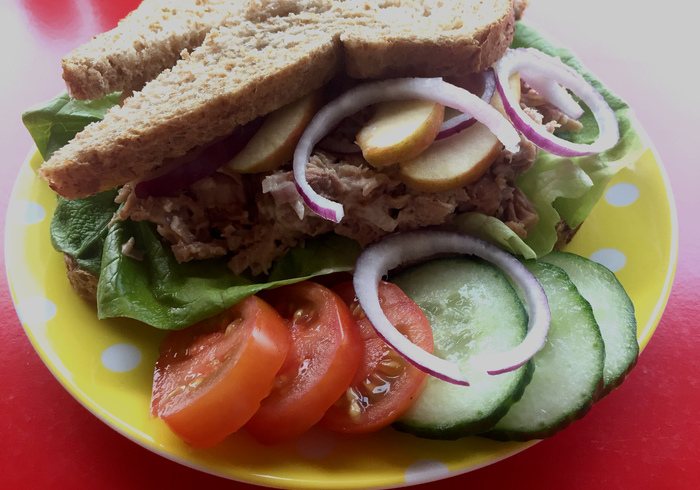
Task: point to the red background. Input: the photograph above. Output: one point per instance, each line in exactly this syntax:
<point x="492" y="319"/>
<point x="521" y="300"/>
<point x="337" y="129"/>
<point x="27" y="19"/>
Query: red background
<point x="645" y="435"/>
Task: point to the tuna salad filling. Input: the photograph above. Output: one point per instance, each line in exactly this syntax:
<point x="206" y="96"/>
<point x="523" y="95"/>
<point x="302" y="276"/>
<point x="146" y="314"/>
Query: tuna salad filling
<point x="254" y="219"/>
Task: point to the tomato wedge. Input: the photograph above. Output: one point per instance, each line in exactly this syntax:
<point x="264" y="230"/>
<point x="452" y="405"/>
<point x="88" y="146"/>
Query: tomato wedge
<point x="210" y="378"/>
<point x="323" y="357"/>
<point x="385" y="384"/>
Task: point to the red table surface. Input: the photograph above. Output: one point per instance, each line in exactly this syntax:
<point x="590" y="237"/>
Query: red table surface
<point x="645" y="435"/>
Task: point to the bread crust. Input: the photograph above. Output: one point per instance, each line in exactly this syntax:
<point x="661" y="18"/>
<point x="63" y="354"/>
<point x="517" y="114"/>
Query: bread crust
<point x="132" y="141"/>
<point x="469" y="40"/>
<point x="147" y="41"/>
<point x="247" y="68"/>
<point x="81" y="280"/>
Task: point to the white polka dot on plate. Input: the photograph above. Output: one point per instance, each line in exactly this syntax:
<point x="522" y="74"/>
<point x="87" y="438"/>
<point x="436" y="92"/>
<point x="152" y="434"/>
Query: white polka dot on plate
<point x="26" y="212"/>
<point x="611" y="258"/>
<point x="33" y="310"/>
<point x="426" y="470"/>
<point x="316" y="443"/>
<point x="622" y="194"/>
<point x="121" y="357"/>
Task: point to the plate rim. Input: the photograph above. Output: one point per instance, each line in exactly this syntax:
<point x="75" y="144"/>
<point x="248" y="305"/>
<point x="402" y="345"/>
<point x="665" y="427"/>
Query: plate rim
<point x="106" y="417"/>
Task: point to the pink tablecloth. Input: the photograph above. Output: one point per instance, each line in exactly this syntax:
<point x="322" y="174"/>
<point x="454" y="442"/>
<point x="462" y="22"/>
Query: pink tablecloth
<point x="645" y="435"/>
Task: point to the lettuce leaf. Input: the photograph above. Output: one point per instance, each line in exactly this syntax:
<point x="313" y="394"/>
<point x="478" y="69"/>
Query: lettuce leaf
<point x="550" y="178"/>
<point x="493" y="230"/>
<point x="54" y="123"/>
<point x="569" y="202"/>
<point x="79" y="228"/>
<point x="165" y="294"/>
<point x="559" y="187"/>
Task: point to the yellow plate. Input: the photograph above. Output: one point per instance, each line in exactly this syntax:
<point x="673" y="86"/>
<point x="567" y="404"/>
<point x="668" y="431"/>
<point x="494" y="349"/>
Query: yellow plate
<point x="107" y="365"/>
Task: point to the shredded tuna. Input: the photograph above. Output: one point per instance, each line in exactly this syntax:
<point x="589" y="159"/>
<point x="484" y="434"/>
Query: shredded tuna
<point x="195" y="222"/>
<point x="545" y="113"/>
<point x="129" y="249"/>
<point x="256" y="219"/>
<point x="495" y="193"/>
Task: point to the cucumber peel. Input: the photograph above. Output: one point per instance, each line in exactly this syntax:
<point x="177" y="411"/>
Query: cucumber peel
<point x="568" y="370"/>
<point x="613" y="310"/>
<point x="591" y="346"/>
<point x="473" y="310"/>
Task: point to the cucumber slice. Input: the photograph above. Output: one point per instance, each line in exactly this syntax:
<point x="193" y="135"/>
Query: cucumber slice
<point x="473" y="309"/>
<point x="613" y="310"/>
<point x="568" y="369"/>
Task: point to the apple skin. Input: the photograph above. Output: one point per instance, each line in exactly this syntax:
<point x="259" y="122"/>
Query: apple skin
<point x="399" y="130"/>
<point x="458" y="160"/>
<point x="452" y="162"/>
<point x="276" y="140"/>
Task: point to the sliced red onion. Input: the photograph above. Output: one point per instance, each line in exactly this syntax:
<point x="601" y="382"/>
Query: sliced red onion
<point x="555" y="94"/>
<point x="378" y="259"/>
<point x="364" y="95"/>
<point x="463" y="121"/>
<point x="198" y="163"/>
<point x="539" y="66"/>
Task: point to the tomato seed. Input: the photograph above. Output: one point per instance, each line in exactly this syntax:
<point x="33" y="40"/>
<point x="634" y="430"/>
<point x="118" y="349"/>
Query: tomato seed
<point x="392" y="367"/>
<point x="177" y="391"/>
<point x="298" y="315"/>
<point x="355" y="410"/>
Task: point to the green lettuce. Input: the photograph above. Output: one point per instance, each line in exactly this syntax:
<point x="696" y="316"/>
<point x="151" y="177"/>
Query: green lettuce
<point x="54" y="123"/>
<point x="549" y="179"/>
<point x="560" y="187"/>
<point x="493" y="230"/>
<point x="161" y="292"/>
<point x="572" y="191"/>
<point x="79" y="228"/>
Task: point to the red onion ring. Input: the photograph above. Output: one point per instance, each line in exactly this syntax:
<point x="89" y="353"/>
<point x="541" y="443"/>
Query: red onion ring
<point x="530" y="61"/>
<point x="553" y="92"/>
<point x="463" y="121"/>
<point x="394" y="250"/>
<point x="364" y="95"/>
<point x="198" y="163"/>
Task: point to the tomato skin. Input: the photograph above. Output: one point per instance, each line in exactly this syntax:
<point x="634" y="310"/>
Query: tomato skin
<point x="322" y="359"/>
<point x="385" y="385"/>
<point x="210" y="378"/>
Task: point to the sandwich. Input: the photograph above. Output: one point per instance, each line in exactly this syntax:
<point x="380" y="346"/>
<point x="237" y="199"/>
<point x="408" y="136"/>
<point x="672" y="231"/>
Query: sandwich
<point x="161" y="218"/>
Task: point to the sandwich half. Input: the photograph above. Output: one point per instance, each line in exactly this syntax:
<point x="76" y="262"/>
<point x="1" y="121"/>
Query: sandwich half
<point x="172" y="254"/>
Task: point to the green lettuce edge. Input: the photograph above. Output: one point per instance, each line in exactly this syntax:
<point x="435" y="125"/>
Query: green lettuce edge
<point x="564" y="188"/>
<point x="165" y="294"/>
<point x="54" y="123"/>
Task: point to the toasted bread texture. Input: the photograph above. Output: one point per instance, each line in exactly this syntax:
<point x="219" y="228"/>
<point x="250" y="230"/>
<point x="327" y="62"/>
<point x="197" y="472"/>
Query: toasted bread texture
<point x="261" y="57"/>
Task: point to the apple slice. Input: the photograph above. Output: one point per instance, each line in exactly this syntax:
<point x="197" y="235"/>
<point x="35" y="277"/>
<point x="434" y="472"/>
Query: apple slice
<point x="275" y="141"/>
<point x="458" y="160"/>
<point x="452" y="162"/>
<point x="514" y="83"/>
<point x="399" y="130"/>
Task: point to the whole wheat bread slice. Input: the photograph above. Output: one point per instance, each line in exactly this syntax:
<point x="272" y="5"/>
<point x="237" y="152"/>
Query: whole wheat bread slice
<point x="254" y="63"/>
<point x="147" y="41"/>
